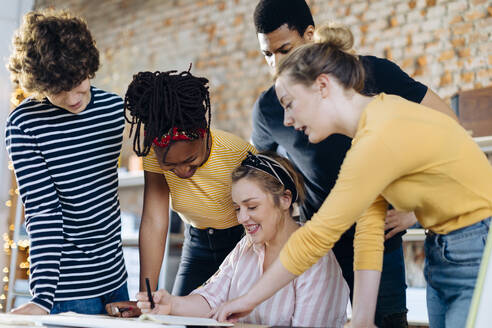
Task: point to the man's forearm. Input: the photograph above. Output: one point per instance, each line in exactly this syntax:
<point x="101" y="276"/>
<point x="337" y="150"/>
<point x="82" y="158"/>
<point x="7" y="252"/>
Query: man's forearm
<point x="432" y="100"/>
<point x="43" y="214"/>
<point x="45" y="232"/>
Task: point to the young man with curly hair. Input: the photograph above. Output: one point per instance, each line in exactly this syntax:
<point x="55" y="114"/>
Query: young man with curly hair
<point x="64" y="143"/>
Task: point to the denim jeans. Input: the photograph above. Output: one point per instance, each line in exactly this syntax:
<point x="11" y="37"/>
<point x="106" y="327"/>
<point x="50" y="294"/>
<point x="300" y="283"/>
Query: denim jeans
<point x="93" y="305"/>
<point x="203" y="252"/>
<point x="451" y="268"/>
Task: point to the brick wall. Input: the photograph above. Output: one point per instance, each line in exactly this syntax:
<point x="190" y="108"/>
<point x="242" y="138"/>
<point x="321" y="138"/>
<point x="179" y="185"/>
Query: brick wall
<point x="444" y="44"/>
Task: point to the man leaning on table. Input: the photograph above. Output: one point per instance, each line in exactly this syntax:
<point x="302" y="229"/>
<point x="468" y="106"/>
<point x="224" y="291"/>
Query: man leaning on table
<point x="64" y="142"/>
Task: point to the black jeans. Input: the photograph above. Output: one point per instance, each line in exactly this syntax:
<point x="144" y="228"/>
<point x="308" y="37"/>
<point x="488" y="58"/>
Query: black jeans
<point x="391" y="310"/>
<point x="203" y="253"/>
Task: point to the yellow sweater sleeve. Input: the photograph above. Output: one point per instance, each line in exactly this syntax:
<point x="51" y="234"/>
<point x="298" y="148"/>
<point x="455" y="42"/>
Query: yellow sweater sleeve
<point x="365" y="173"/>
<point x="369" y="237"/>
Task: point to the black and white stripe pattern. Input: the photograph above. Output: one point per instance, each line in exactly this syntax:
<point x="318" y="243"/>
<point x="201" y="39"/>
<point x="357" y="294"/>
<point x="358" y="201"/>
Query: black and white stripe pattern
<point x="66" y="169"/>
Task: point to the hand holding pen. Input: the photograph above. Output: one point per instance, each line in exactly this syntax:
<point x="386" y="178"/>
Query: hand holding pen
<point x="162" y="302"/>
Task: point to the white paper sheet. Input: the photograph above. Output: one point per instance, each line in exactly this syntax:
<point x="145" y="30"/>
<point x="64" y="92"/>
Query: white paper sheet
<point x="76" y="320"/>
<point x="185" y="321"/>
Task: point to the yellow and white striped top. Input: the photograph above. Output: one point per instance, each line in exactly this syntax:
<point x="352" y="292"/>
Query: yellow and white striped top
<point x="204" y="200"/>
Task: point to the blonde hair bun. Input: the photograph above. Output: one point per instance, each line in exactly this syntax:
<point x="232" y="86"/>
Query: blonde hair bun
<point x="336" y="35"/>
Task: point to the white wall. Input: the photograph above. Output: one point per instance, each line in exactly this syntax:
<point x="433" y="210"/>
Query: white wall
<point x="10" y="18"/>
<point x="11" y="13"/>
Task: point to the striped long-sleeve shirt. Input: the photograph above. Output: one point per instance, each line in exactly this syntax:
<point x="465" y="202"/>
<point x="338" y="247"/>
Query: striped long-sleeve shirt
<point x="66" y="170"/>
<point x="317" y="298"/>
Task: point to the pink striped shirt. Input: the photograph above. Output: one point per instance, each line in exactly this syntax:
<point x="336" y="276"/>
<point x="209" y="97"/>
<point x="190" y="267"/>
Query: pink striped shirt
<point x="317" y="298"/>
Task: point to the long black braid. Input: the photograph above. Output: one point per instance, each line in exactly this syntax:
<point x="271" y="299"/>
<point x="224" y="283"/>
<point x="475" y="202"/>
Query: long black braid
<point x="163" y="100"/>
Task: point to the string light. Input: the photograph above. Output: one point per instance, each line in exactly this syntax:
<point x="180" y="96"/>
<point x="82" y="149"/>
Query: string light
<point x="9" y="244"/>
<point x="23" y="245"/>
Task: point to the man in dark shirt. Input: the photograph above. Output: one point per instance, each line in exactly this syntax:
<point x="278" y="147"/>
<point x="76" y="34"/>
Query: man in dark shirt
<point x="282" y="26"/>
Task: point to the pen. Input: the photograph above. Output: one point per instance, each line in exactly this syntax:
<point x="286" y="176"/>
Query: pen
<point x="149" y="293"/>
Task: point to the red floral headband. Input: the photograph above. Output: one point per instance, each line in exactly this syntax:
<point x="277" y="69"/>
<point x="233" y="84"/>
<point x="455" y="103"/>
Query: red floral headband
<point x="176" y="134"/>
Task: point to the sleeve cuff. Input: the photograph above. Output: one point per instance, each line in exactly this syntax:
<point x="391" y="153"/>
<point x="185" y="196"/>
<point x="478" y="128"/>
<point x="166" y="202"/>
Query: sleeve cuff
<point x="210" y="300"/>
<point x="44" y="304"/>
<point x="368" y="261"/>
<point x="288" y="264"/>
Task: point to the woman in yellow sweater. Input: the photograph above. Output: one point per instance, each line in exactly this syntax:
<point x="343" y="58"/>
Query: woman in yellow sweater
<point x="402" y="153"/>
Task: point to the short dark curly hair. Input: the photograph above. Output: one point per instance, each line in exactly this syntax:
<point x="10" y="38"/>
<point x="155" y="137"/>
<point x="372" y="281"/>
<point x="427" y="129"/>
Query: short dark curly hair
<point x="53" y="51"/>
<point x="269" y="15"/>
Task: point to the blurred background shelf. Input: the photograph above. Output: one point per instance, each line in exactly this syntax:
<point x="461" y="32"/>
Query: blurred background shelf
<point x="485" y="143"/>
<point x="130" y="179"/>
<point x="414" y="235"/>
<point x="175" y="240"/>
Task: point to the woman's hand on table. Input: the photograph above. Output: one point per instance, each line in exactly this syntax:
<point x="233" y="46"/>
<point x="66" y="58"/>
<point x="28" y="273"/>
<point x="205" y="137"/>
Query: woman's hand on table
<point x="126" y="309"/>
<point x="29" y="308"/>
<point x="232" y="310"/>
<point x="162" y="300"/>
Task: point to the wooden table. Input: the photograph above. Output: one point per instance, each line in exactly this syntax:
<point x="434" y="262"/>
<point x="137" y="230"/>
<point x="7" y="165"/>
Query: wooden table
<point x="85" y="321"/>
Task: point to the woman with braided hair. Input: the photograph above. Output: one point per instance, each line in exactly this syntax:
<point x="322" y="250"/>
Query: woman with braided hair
<point x="188" y="166"/>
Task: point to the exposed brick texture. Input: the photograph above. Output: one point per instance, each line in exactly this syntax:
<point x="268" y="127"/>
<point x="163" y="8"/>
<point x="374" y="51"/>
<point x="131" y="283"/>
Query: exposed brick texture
<point x="446" y="44"/>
